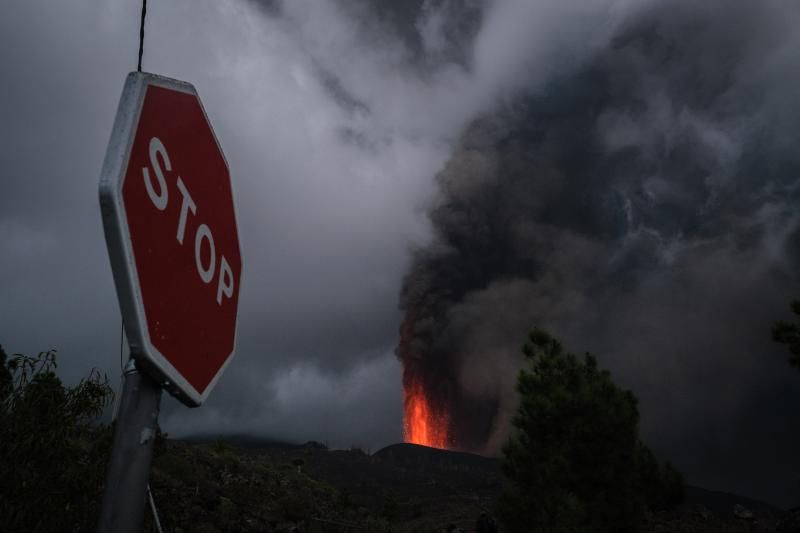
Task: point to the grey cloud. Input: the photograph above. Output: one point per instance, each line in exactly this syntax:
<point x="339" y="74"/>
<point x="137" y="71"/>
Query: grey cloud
<point x="325" y="222"/>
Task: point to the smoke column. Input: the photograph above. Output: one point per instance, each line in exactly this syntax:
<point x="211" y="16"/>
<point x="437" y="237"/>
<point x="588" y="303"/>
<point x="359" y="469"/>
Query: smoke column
<point x="640" y="204"/>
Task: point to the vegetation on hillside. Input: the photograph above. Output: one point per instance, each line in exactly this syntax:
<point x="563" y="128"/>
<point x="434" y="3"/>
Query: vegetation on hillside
<point x="215" y="488"/>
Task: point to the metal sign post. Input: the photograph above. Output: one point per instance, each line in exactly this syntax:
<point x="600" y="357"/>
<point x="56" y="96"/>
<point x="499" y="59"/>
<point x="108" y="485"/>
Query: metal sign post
<point x="170" y="227"/>
<point x="125" y="494"/>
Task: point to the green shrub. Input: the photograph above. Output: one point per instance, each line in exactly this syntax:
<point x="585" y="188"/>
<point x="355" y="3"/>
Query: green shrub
<point x="52" y="453"/>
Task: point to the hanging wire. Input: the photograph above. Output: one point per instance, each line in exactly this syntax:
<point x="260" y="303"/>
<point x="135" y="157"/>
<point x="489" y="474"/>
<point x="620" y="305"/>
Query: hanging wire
<point x="154" y="510"/>
<point x="118" y="395"/>
<point x="150" y="498"/>
<point x="121" y="344"/>
<point x="141" y="35"/>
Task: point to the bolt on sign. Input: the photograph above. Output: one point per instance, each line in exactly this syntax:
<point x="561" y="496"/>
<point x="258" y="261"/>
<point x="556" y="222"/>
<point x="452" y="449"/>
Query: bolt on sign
<point x="170" y="226"/>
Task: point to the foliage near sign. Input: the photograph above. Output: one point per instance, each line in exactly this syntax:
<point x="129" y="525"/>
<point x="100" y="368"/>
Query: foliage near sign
<point x="52" y="453"/>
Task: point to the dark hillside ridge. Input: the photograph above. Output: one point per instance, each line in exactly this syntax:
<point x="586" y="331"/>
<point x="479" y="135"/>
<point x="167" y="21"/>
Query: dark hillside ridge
<point x="247" y="483"/>
<point x="239" y="440"/>
<point x="723" y="502"/>
<point x="404" y="454"/>
<point x="410" y="457"/>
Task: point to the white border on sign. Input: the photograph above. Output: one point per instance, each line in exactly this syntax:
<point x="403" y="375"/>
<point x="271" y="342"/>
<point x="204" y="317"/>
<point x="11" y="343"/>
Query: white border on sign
<point x="120" y="250"/>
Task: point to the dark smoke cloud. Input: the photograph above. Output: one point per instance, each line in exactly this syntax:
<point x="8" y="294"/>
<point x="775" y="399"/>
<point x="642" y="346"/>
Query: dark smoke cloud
<point x="641" y="204"/>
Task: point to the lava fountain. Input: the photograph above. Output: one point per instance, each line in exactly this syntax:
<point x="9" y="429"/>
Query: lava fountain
<point x="424" y="423"/>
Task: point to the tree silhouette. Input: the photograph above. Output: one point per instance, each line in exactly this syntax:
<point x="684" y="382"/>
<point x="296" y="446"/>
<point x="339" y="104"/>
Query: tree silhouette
<point x="788" y="333"/>
<point x="574" y="461"/>
<point x="52" y="451"/>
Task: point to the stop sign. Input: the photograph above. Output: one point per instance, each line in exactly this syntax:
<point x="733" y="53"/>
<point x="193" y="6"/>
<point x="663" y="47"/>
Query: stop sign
<point x="170" y="226"/>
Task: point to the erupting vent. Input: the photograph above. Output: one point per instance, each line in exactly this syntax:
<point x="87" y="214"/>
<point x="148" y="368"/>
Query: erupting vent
<point x="424" y="423"/>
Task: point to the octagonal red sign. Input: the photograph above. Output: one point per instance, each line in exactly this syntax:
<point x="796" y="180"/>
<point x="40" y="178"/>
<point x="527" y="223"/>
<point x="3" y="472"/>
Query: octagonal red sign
<point x="170" y="225"/>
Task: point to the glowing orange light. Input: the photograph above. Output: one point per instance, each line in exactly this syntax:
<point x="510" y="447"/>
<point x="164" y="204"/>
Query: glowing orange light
<point x="423" y="424"/>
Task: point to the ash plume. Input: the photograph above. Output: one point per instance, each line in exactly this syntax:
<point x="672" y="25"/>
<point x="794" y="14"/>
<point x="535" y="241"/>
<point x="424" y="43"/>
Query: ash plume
<point x="641" y="204"/>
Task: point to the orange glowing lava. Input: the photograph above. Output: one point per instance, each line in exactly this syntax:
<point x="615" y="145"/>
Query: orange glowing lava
<point x="424" y="424"/>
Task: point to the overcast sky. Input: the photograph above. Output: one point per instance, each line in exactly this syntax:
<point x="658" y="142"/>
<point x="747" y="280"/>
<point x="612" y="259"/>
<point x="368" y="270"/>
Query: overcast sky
<point x="335" y="117"/>
<point x="332" y="135"/>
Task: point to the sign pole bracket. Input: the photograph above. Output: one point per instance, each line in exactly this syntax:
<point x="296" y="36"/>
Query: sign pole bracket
<point x="125" y="494"/>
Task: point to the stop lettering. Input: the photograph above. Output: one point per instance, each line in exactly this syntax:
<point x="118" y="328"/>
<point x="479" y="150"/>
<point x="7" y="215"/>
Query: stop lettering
<point x="203" y="235"/>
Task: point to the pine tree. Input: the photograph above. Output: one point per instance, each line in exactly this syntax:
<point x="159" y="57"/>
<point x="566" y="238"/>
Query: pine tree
<point x="574" y="461"/>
